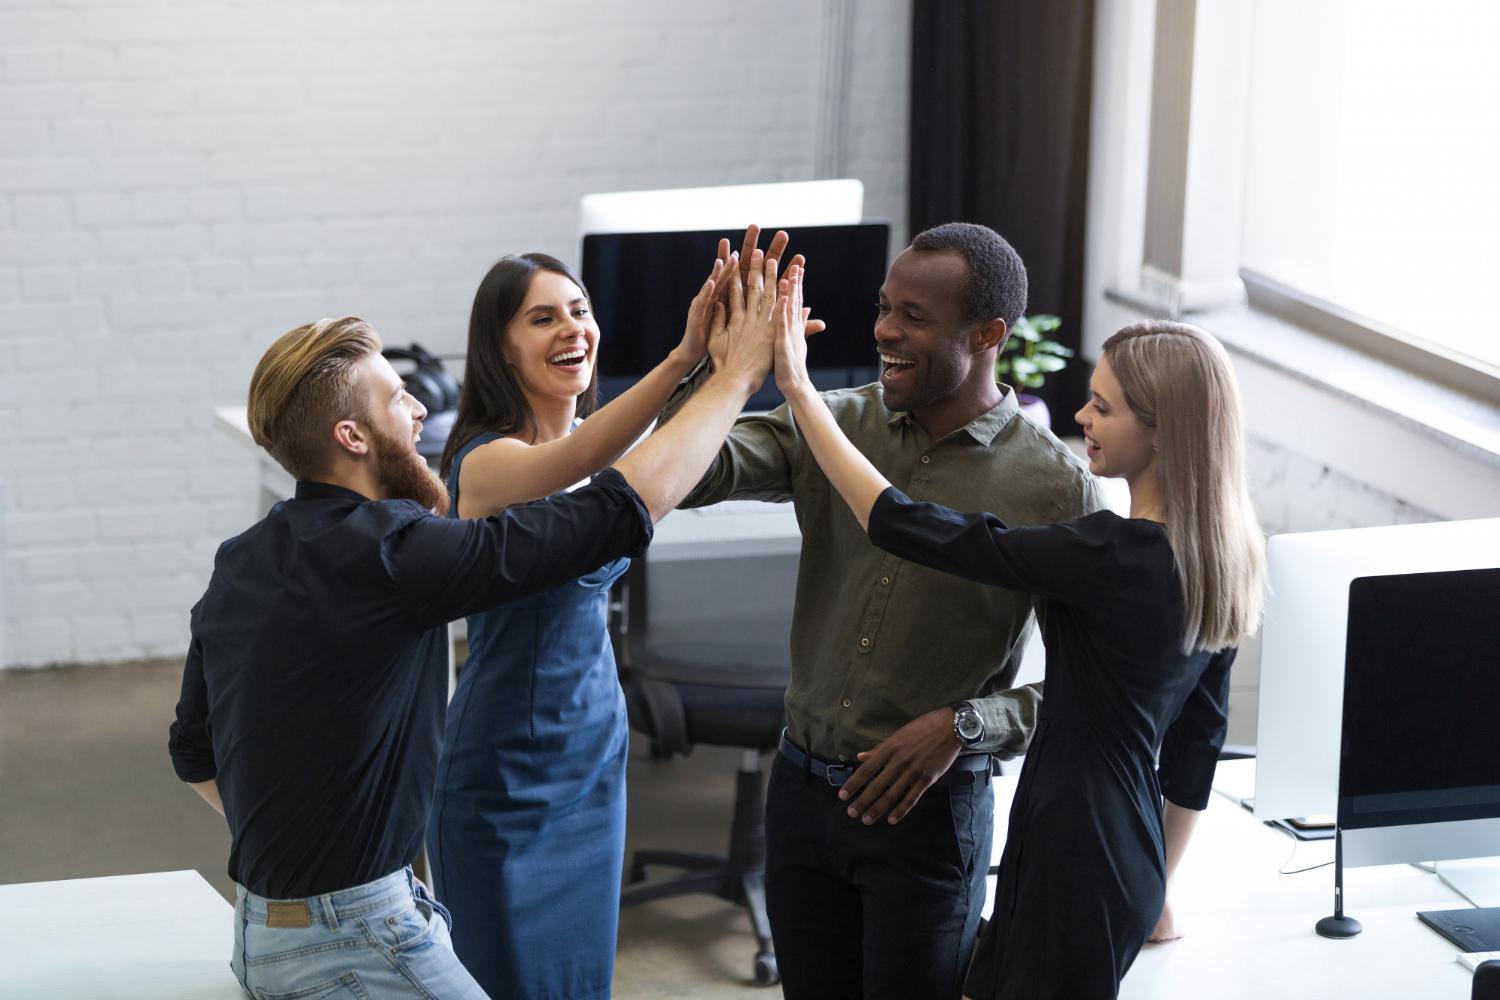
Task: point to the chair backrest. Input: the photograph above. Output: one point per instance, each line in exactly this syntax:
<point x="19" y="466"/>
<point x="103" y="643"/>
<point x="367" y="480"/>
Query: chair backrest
<point x="717" y="693"/>
<point x="627" y="617"/>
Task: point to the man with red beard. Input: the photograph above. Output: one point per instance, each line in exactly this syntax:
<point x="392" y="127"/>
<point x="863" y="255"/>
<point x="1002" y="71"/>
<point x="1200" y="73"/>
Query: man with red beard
<point x="313" y="696"/>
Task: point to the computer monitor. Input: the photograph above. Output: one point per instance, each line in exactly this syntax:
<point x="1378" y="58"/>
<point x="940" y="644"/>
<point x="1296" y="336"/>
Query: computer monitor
<point x="1304" y="642"/>
<point x="641" y="284"/>
<point x="1419" y="767"/>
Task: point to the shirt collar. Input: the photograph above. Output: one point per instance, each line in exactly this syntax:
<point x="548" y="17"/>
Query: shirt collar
<point x="308" y="489"/>
<point x="982" y="428"/>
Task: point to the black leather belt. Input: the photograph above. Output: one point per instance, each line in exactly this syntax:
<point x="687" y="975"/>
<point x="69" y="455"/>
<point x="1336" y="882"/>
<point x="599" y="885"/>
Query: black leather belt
<point x="837" y="774"/>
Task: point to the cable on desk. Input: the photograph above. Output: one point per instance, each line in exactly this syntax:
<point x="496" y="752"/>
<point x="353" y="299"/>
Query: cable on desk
<point x="1296" y="843"/>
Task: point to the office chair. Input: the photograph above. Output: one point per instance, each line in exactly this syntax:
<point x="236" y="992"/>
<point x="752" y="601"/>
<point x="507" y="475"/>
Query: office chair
<point x="716" y="694"/>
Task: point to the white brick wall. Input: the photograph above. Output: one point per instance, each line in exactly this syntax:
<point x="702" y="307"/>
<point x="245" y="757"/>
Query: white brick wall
<point x="181" y="183"/>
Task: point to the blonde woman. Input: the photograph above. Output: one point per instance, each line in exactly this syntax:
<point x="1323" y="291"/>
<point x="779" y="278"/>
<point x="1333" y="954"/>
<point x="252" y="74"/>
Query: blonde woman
<point x="1142" y="615"/>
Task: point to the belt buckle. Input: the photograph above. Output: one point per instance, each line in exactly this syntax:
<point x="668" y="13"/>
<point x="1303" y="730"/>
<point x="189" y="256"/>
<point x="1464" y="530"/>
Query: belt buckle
<point x="839" y="774"/>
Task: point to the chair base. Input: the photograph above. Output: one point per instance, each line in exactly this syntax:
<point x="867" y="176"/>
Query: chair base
<point x="739" y="879"/>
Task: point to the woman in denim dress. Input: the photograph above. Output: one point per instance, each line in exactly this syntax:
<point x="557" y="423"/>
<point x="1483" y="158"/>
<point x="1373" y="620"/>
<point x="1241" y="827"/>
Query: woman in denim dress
<point x="527" y="834"/>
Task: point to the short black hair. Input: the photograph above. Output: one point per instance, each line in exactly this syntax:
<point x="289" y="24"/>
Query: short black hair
<point x="997" y="276"/>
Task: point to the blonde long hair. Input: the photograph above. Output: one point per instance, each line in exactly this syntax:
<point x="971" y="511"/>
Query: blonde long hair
<point x="1178" y="379"/>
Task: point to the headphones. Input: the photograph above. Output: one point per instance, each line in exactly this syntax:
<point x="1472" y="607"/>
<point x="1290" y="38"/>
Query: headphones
<point x="430" y="384"/>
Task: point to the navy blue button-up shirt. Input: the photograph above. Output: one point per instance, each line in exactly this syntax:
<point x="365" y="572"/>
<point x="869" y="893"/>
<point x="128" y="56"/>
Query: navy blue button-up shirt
<point x="316" y="681"/>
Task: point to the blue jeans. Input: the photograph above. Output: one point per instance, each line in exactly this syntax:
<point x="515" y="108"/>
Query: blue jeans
<point x="387" y="938"/>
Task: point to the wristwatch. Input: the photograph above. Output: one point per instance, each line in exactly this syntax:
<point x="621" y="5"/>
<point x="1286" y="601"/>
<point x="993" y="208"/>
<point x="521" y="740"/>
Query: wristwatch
<point x="967" y="725"/>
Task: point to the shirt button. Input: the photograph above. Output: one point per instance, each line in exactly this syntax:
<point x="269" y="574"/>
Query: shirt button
<point x="885" y="581"/>
<point x="864" y="642"/>
<point x="841" y="756"/>
<point x="846" y="705"/>
<point x="926" y="459"/>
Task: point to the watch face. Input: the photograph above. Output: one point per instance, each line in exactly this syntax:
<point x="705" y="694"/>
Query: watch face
<point x="969" y="726"/>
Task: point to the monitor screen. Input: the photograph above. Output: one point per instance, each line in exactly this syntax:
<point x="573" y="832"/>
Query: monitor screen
<point x="642" y="283"/>
<point x="1421" y="729"/>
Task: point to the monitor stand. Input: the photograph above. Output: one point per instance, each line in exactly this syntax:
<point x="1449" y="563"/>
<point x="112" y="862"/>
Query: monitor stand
<point x="1475" y="879"/>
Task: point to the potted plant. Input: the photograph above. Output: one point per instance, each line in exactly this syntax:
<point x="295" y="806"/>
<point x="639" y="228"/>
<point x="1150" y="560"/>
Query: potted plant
<point x="1028" y="357"/>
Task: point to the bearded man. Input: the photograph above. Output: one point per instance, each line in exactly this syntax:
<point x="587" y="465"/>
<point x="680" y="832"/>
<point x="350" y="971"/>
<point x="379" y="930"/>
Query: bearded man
<point x="879" y="812"/>
<point x="313" y="695"/>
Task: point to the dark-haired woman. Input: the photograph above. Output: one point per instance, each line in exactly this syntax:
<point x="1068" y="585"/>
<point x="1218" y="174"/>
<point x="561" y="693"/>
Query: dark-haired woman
<point x="1142" y="615"/>
<point x="527" y="834"/>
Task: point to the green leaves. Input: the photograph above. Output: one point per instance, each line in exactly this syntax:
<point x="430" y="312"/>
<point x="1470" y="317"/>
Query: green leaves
<point x="1028" y="356"/>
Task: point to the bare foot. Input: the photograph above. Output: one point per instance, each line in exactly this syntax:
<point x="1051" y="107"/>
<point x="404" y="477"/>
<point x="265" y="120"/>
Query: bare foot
<point x="1166" y="930"/>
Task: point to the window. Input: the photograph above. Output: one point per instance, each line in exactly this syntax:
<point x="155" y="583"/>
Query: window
<point x="1373" y="163"/>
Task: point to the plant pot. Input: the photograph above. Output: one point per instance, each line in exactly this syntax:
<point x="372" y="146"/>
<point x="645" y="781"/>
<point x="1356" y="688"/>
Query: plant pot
<point x="1034" y="408"/>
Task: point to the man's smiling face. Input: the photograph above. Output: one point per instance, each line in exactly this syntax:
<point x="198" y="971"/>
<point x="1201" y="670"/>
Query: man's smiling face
<point x="921" y="332"/>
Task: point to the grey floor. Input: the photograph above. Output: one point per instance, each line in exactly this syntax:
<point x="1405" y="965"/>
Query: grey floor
<point x="86" y="789"/>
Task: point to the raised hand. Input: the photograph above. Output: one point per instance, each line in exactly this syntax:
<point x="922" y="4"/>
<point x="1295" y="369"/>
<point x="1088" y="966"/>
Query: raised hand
<point x="744" y="337"/>
<point x="774" y="252"/>
<point x="701" y="314"/>
<point x="791" y="336"/>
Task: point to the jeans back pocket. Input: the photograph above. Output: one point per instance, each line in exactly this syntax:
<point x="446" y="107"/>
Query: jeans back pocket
<point x="347" y="985"/>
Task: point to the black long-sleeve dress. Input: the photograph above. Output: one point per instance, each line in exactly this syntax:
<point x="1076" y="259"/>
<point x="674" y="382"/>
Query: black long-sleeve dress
<point x="1082" y="878"/>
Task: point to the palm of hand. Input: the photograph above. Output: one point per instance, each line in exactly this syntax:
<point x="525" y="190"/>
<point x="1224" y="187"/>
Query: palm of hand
<point x="791" y="335"/>
<point x="743" y="340"/>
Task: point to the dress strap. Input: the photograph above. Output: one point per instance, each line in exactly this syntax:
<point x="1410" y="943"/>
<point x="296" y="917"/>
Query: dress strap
<point x="483" y="437"/>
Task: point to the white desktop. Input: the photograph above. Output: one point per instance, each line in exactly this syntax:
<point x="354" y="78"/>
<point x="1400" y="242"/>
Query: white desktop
<point x="1302" y="645"/>
<point x="1306" y="639"/>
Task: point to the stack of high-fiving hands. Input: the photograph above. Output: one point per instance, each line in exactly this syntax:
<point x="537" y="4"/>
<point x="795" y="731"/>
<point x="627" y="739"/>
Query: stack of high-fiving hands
<point x="753" y="317"/>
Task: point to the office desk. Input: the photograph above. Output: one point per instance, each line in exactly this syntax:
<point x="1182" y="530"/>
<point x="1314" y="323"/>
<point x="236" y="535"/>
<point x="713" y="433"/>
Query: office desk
<point x="1248" y="932"/>
<point x="161" y="936"/>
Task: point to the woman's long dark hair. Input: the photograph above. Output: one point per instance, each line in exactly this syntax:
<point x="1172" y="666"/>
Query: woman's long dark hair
<point x="492" y="398"/>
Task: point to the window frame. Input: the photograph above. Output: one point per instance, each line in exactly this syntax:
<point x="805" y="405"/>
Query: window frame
<point x="1423" y="358"/>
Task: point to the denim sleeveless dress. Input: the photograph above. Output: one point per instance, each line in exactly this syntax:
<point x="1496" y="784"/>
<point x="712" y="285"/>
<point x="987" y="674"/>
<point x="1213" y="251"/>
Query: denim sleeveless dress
<point x="527" y="833"/>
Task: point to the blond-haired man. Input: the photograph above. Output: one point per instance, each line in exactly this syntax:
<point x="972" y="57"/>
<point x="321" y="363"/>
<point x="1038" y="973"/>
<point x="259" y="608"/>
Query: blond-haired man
<point x="313" y="695"/>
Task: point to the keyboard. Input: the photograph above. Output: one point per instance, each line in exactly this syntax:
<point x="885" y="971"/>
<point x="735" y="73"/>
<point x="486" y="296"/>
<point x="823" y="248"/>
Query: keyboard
<point x="1470" y="959"/>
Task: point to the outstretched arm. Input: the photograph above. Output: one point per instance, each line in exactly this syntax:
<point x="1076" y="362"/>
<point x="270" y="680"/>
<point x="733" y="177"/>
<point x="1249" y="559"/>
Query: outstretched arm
<point x="671" y="461"/>
<point x="511" y="471"/>
<point x="850" y="472"/>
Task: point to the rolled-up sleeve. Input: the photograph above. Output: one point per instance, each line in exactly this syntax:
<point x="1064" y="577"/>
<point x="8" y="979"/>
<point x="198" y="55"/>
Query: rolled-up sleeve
<point x="189" y="743"/>
<point x="1190" y="749"/>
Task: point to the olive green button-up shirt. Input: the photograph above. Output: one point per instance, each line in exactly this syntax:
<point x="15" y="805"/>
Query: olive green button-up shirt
<point x="877" y="641"/>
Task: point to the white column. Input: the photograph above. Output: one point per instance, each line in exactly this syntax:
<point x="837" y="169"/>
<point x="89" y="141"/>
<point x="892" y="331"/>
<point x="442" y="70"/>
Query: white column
<point x="831" y="155"/>
<point x="1195" y="178"/>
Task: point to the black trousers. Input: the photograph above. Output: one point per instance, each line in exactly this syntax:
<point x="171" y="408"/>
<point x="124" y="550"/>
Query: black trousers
<point x="878" y="911"/>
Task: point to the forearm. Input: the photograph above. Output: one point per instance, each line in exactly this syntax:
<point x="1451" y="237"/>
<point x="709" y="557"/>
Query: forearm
<point x="510" y="472"/>
<point x="628" y="416"/>
<point x="684" y="390"/>
<point x="210" y="792"/>
<point x="604" y="436"/>
<point x="1178" y="824"/>
<point x="668" y="464"/>
<point x="857" y="481"/>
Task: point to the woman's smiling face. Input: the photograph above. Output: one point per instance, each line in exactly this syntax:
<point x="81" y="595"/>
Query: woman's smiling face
<point x="1119" y="444"/>
<point x="553" y="341"/>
